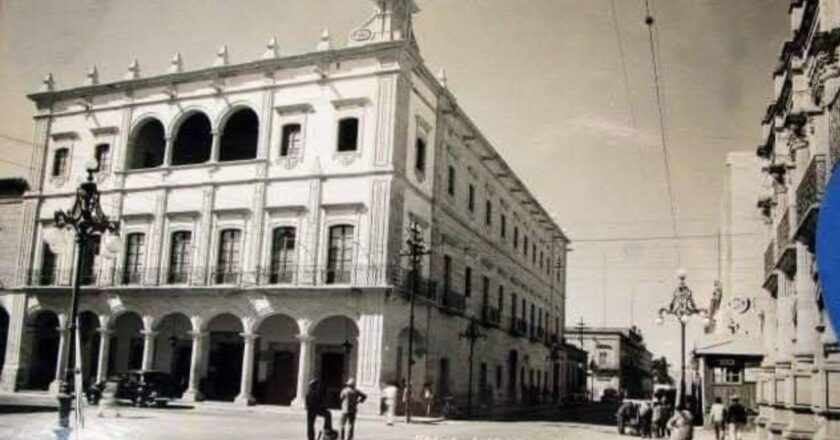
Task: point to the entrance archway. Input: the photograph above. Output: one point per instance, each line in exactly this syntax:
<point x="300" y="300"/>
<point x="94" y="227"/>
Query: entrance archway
<point x="126" y="344"/>
<point x="89" y="338"/>
<point x="224" y="360"/>
<point x="336" y="351"/>
<point x="173" y="348"/>
<point x="43" y="350"/>
<point x="276" y="366"/>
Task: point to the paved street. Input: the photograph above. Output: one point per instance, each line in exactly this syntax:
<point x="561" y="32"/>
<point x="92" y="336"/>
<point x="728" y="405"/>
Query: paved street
<point x="226" y="423"/>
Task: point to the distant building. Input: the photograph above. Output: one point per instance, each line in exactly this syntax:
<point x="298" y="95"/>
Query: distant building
<point x="11" y="303"/>
<point x="617" y="360"/>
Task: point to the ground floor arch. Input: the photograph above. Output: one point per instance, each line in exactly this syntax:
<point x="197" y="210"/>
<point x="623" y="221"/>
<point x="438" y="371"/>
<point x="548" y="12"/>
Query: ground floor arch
<point x="173" y="348"/>
<point x="44" y="338"/>
<point x="224" y="358"/>
<point x="336" y="351"/>
<point x="277" y="360"/>
<point x="126" y="352"/>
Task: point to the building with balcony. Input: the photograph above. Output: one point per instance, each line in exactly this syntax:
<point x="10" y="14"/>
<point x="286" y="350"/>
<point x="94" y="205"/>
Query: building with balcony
<point x="618" y="361"/>
<point x="798" y="388"/>
<point x="265" y="207"/>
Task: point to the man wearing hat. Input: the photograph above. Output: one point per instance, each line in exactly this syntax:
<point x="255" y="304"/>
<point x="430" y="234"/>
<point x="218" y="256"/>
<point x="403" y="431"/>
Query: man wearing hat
<point x="350" y="399"/>
<point x="737" y="417"/>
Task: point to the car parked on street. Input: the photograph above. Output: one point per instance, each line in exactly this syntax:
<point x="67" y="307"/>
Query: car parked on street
<point x="140" y="387"/>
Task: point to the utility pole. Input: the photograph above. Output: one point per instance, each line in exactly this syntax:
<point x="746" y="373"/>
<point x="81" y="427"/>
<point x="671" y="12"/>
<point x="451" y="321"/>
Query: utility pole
<point x="416" y="250"/>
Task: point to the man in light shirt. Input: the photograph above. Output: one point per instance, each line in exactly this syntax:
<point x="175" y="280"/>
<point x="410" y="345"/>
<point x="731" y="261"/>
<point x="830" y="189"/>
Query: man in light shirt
<point x="717" y="414"/>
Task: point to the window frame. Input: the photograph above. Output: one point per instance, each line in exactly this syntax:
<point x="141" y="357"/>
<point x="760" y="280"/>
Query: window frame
<point x="339" y="141"/>
<point x="229" y="255"/>
<point x="181" y="276"/>
<point x="287" y="257"/>
<point x="60" y="163"/>
<point x="133" y="261"/>
<point x="339" y="270"/>
<point x="289" y="147"/>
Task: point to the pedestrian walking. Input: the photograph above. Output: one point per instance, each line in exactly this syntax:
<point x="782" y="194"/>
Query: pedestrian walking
<point x="717" y="415"/>
<point x="428" y="397"/>
<point x="622" y="417"/>
<point x="350" y="400"/>
<point x="680" y="425"/>
<point x="645" y="420"/>
<point x="108" y="399"/>
<point x="316" y="406"/>
<point x="737" y="417"/>
<point x="656" y="419"/>
<point x="390" y="393"/>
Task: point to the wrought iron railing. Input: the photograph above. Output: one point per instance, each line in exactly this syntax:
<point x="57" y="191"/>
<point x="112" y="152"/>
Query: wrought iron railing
<point x="453" y="302"/>
<point x="518" y="326"/>
<point x="490" y="315"/>
<point x="810" y="189"/>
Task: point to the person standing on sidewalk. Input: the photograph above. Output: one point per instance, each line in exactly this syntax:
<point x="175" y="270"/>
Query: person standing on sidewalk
<point x="737" y="417"/>
<point x="350" y="400"/>
<point x="315" y="407"/>
<point x="390" y="393"/>
<point x="680" y="425"/>
<point x="717" y="415"/>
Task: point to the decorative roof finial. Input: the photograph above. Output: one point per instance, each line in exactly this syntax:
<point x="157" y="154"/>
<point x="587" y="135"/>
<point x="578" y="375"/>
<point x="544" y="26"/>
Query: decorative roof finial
<point x="222" y="57"/>
<point x="441" y="76"/>
<point x="133" y="70"/>
<point x="325" y="43"/>
<point x="92" y="77"/>
<point x="176" y="65"/>
<point x="271" y="49"/>
<point x="48" y="83"/>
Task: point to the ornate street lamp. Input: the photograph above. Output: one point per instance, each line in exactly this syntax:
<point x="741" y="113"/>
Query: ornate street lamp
<point x="472" y="333"/>
<point x="87" y="220"/>
<point x="683" y="308"/>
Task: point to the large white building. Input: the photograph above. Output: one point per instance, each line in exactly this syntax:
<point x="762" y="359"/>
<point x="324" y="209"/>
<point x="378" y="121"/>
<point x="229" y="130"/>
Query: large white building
<point x="265" y="207"/>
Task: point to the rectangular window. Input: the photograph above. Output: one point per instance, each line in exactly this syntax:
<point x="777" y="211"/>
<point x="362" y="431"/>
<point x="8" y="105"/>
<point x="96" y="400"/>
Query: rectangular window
<point x="103" y="157"/>
<point x="468" y="282"/>
<point x="348" y="134"/>
<point x="340" y="254"/>
<point x="498" y="377"/>
<point x="471" y="199"/>
<point x="533" y="254"/>
<point x="482" y="376"/>
<point x="501" y="299"/>
<point x="603" y="358"/>
<point x="60" y="159"/>
<point x="230" y="253"/>
<point x="525" y="245"/>
<point x="179" y="257"/>
<point x="135" y="251"/>
<point x="420" y="155"/>
<point x="485" y="290"/>
<point x="488" y="213"/>
<point x="516" y="237"/>
<point x="282" y="255"/>
<point x="503" y="230"/>
<point x="46" y="277"/>
<point x="290" y="144"/>
<point x="450" y="181"/>
<point x="513" y="303"/>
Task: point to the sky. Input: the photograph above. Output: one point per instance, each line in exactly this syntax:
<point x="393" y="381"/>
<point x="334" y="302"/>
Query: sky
<point x="543" y="79"/>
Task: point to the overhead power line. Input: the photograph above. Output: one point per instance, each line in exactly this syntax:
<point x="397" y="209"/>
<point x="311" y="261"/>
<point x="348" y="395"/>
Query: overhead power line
<point x="665" y="237"/>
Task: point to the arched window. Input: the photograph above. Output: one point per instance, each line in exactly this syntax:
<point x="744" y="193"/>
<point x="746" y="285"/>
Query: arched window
<point x="230" y="253"/>
<point x="239" y="138"/>
<point x="147" y="147"/>
<point x="348" y="134"/>
<point x="282" y="255"/>
<point x="340" y="254"/>
<point x="193" y="141"/>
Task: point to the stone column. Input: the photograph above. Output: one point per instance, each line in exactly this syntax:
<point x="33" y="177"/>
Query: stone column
<point x="193" y="394"/>
<point x="104" y="351"/>
<point x="149" y="338"/>
<point x="214" y="146"/>
<point x="245" y="397"/>
<point x="167" y="152"/>
<point x="63" y="357"/>
<point x="307" y="344"/>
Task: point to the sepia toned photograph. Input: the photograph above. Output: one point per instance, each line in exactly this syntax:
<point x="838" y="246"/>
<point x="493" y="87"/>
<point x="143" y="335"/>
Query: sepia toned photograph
<point x="419" y="219"/>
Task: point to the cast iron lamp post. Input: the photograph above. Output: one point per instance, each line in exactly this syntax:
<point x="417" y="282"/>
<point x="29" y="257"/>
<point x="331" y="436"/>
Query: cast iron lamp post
<point x="87" y="221"/>
<point x="682" y="307"/>
<point x="472" y="334"/>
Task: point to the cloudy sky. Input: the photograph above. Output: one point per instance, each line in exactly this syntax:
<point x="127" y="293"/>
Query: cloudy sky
<point x="542" y="78"/>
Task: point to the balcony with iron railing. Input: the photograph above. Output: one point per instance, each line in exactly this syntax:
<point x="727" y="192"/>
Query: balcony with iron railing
<point x="785" y="249"/>
<point x="809" y="193"/>
<point x="490" y="316"/>
<point x="453" y="302"/>
<point x="518" y="326"/>
<point x="770" y="281"/>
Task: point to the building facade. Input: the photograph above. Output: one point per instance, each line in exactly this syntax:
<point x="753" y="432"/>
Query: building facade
<point x="11" y="302"/>
<point x="799" y="385"/>
<point x="618" y="363"/>
<point x="264" y="211"/>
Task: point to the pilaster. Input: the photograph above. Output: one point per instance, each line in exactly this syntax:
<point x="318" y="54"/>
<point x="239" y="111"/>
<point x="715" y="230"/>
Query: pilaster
<point x="13" y="364"/>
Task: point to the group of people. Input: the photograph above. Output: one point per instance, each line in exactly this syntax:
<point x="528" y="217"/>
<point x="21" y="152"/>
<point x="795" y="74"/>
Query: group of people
<point x="646" y="418"/>
<point x="316" y="406"/>
<point x="722" y="417"/>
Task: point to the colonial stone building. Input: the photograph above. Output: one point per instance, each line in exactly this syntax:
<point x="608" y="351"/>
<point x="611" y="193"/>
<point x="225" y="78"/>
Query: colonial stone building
<point x="264" y="208"/>
<point x="11" y="302"/>
<point x="798" y="388"/>
<point x="618" y="361"/>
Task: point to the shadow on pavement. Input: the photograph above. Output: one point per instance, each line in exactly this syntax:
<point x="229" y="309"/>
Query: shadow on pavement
<point x="23" y="409"/>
